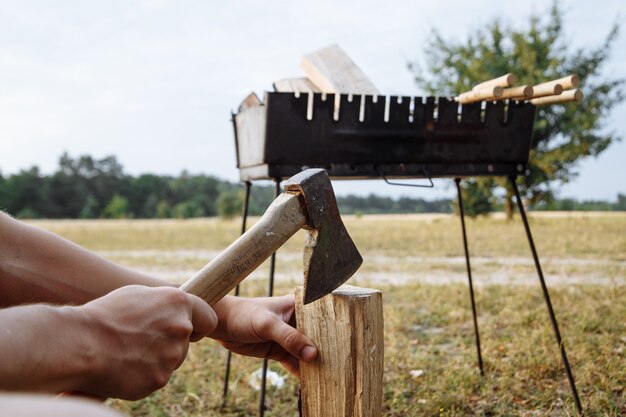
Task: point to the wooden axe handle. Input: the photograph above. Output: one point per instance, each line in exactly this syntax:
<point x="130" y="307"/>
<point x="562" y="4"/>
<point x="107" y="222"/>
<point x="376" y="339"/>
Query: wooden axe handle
<point x="284" y="217"/>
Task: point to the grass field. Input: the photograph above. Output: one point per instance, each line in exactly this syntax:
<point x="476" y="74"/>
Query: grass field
<point x="418" y="263"/>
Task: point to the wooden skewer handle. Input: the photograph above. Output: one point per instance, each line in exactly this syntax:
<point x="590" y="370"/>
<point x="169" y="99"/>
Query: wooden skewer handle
<point x="571" y="81"/>
<point x="283" y="218"/>
<point x="504" y="81"/>
<point x="564" y="97"/>
<point x="489" y="93"/>
<point x="523" y="92"/>
<point x="550" y="88"/>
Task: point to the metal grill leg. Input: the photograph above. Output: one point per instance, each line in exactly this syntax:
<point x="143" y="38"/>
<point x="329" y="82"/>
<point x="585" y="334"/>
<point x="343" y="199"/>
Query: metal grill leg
<point x="246" y="205"/>
<point x="469" y="275"/>
<point x="546" y="296"/>
<point x="270" y="293"/>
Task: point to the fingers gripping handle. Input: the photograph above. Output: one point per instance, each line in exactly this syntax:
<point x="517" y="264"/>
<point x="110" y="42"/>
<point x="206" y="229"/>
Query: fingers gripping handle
<point x="283" y="218"/>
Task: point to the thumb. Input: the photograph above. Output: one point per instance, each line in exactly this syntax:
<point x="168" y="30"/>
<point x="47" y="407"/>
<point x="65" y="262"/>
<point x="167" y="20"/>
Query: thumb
<point x="292" y="340"/>
<point x="203" y="318"/>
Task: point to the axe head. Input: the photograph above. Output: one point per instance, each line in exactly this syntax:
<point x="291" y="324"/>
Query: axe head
<point x="330" y="256"/>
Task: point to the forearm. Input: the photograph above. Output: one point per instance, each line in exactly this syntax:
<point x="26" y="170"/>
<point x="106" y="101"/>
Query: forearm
<point x="44" y="349"/>
<point x="32" y="405"/>
<point x="39" y="266"/>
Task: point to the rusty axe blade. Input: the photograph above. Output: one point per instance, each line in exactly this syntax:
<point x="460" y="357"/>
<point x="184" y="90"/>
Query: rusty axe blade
<point x="330" y="256"/>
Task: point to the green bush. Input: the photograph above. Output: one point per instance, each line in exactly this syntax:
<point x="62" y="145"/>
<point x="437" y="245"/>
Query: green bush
<point x="117" y="208"/>
<point x="229" y="204"/>
<point x="187" y="209"/>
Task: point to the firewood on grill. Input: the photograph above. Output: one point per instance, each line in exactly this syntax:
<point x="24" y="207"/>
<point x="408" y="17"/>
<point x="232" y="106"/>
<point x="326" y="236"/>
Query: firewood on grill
<point x="489" y="93"/>
<point x="504" y="81"/>
<point x="332" y="71"/>
<point x="564" y="97"/>
<point x="295" y="85"/>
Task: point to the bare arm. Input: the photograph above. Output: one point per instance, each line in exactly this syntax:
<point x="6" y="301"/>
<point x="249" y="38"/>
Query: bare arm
<point x="124" y="342"/>
<point x="29" y="405"/>
<point x="39" y="266"/>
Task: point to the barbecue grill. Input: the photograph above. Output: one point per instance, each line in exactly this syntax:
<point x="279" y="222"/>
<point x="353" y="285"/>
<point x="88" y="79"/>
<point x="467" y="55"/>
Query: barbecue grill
<point x="359" y="137"/>
<point x="378" y="137"/>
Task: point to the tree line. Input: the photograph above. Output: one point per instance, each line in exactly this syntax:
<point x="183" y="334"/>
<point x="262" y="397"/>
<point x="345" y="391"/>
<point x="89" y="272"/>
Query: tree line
<point x="86" y="187"/>
<point x="89" y="188"/>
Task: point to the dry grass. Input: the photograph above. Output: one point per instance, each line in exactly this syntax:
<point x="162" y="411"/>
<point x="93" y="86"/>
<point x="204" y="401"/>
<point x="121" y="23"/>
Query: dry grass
<point x="586" y="235"/>
<point x="428" y="327"/>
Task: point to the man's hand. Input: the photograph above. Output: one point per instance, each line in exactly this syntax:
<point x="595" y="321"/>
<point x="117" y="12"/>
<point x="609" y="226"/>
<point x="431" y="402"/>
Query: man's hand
<point x="260" y="327"/>
<point x="141" y="335"/>
<point x="125" y="344"/>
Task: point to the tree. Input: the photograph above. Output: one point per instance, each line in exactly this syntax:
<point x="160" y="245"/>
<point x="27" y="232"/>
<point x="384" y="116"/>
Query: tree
<point x="562" y="134"/>
<point x="620" y="205"/>
<point x="229" y="204"/>
<point x="22" y="190"/>
<point x="118" y="208"/>
<point x="65" y="195"/>
<point x="260" y="199"/>
<point x="90" y="209"/>
<point x="201" y="189"/>
<point x="146" y="191"/>
<point x="187" y="209"/>
<point x="163" y="210"/>
<point x="4" y="198"/>
<point x="477" y="198"/>
<point x="100" y="178"/>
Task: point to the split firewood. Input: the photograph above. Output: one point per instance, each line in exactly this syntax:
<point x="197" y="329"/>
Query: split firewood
<point x="295" y="85"/>
<point x="332" y="71"/>
<point x="346" y="379"/>
<point x="564" y="97"/>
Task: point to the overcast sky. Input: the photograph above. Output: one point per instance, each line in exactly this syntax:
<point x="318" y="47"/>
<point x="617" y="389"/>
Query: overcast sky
<point x="154" y="82"/>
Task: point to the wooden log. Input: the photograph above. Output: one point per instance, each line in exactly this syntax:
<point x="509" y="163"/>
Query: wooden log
<point x="504" y="81"/>
<point x="346" y="379"/>
<point x="564" y="97"/>
<point x="489" y="93"/>
<point x="523" y="92"/>
<point x="295" y="85"/>
<point x="332" y="71"/>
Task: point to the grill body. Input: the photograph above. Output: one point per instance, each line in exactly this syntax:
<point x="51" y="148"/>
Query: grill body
<point x="360" y="137"/>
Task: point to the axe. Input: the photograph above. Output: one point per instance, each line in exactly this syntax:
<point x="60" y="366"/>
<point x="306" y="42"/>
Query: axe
<point x="330" y="256"/>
